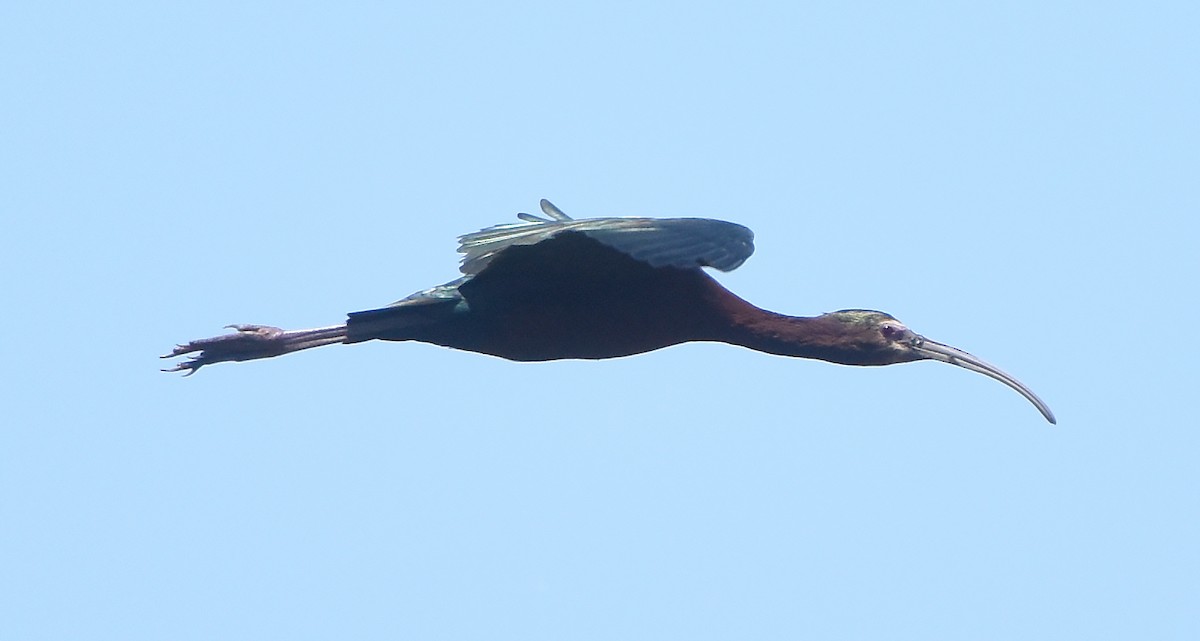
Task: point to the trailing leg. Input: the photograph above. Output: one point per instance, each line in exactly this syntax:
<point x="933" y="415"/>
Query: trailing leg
<point x="251" y="342"/>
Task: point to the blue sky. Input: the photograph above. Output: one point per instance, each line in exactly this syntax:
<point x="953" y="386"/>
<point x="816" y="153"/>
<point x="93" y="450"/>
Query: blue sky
<point x="1018" y="180"/>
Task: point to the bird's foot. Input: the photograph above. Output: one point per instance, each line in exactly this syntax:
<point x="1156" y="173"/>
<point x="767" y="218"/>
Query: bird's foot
<point x="248" y="342"/>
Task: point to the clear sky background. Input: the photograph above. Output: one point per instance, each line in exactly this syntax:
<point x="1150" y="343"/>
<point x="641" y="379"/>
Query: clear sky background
<point x="1015" y="179"/>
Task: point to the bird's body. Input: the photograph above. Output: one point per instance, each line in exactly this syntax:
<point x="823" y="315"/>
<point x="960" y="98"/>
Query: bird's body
<point x="557" y="288"/>
<point x="572" y="297"/>
<point x="566" y="297"/>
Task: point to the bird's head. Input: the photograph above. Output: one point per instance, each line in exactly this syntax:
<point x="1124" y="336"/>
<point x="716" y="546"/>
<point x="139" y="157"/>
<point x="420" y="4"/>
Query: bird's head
<point x="876" y="338"/>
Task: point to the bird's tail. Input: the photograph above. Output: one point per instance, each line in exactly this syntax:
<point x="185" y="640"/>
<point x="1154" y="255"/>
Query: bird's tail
<point x="399" y="321"/>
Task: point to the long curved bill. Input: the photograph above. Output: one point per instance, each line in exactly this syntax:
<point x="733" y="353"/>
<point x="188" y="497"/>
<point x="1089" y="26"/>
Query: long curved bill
<point x="954" y="356"/>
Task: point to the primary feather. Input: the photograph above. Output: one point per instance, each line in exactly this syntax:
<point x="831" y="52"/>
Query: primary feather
<point x="659" y="242"/>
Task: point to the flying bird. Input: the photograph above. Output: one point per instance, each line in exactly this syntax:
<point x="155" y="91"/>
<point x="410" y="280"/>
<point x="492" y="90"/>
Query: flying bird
<point x="552" y="287"/>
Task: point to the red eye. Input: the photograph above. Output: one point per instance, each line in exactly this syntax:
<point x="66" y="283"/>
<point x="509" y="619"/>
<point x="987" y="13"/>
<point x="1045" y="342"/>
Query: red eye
<point x="889" y="331"/>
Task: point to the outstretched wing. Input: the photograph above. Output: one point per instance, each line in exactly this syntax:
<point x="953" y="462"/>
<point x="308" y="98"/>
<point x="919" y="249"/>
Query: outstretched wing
<point x="659" y="242"/>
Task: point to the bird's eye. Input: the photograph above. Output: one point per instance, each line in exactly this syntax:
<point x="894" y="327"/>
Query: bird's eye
<point x="895" y="332"/>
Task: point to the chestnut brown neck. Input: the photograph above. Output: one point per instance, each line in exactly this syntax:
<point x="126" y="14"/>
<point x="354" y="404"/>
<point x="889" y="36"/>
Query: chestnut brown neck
<point x="823" y="337"/>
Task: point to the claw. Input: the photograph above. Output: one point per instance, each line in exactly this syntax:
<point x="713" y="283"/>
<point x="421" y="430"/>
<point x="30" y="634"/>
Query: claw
<point x="219" y="348"/>
<point x="188" y="368"/>
<point x="246" y="327"/>
<point x="249" y="342"/>
<point x="179" y="350"/>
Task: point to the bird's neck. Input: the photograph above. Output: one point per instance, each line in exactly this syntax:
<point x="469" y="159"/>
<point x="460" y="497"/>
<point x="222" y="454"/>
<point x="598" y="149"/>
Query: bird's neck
<point x="819" y="337"/>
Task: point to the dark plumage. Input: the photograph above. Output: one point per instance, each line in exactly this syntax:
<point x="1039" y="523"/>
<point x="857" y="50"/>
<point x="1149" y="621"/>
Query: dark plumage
<point x="553" y="288"/>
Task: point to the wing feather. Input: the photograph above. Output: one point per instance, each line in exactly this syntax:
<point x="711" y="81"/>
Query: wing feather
<point x="659" y="242"/>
